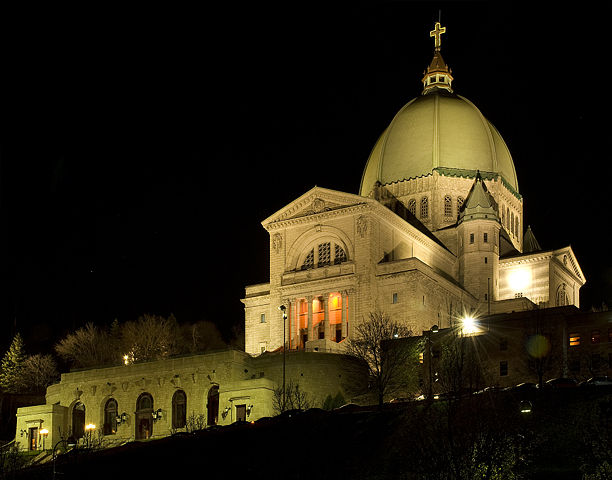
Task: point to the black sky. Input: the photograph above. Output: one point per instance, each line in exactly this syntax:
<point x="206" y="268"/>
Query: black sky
<point x="140" y="148"/>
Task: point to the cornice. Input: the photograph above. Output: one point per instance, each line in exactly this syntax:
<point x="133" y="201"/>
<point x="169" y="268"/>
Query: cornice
<point x="317" y="217"/>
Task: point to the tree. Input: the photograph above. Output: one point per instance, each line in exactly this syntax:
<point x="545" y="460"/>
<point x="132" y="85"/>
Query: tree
<point x="151" y="337"/>
<point x="12" y="366"/>
<point x="39" y="371"/>
<point x="199" y="337"/>
<point x="294" y="399"/>
<point x="459" y="369"/>
<point x="89" y="346"/>
<point x="391" y="362"/>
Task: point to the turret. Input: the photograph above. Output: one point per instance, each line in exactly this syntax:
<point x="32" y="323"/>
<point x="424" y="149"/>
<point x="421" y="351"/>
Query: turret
<point x="478" y="232"/>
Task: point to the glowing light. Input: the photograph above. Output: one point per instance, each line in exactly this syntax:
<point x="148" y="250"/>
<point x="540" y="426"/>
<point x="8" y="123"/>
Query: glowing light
<point x="537" y="346"/>
<point x="519" y="280"/>
<point x="469" y="326"/>
<point x="44" y="431"/>
<point x="90" y="426"/>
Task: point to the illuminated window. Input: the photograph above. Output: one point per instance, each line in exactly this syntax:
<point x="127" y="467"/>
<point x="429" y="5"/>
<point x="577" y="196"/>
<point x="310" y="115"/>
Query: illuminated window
<point x="302" y="314"/>
<point x="595" y="336"/>
<point x="110" y="417"/>
<point x="448" y="206"/>
<point x="421" y="357"/>
<point x="179" y="409"/>
<point x="262" y="318"/>
<point x="503" y="368"/>
<point x="335" y="308"/>
<point x="424" y="207"/>
<point x="318" y="314"/>
<point x="412" y="206"/>
<point x="574" y="339"/>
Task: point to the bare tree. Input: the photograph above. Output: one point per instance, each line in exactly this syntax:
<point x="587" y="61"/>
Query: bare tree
<point x="39" y="371"/>
<point x="379" y="343"/>
<point x="294" y="399"/>
<point x="459" y="369"/>
<point x="89" y="346"/>
<point x="150" y="337"/>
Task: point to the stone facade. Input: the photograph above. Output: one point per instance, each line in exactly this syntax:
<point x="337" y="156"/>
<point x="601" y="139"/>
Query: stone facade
<point x="218" y="389"/>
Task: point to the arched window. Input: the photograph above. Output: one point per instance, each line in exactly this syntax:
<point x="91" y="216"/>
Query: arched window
<point x="110" y="417"/>
<point x="512" y="223"/>
<point x="323" y="255"/>
<point x="448" y="206"/>
<point x="424" y="207"/>
<point x="78" y="420"/>
<point x="412" y="206"/>
<point x="179" y="409"/>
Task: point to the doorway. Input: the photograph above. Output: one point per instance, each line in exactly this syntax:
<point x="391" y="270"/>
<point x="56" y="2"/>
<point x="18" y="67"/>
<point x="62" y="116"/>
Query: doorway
<point x="33" y="437"/>
<point x="144" y="417"/>
<point x="212" y="406"/>
<point x="241" y="413"/>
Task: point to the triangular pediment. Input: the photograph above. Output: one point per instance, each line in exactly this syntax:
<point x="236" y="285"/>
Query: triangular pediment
<point x="565" y="256"/>
<point x="316" y="201"/>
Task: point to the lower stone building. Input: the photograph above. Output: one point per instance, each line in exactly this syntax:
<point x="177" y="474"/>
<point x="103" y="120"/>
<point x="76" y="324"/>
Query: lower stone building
<point x="158" y="398"/>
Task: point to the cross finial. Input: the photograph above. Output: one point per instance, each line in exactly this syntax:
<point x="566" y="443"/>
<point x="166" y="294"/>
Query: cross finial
<point x="437" y="33"/>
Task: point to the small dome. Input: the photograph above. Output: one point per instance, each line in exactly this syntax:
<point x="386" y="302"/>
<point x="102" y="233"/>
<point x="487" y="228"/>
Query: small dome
<point x="438" y="130"/>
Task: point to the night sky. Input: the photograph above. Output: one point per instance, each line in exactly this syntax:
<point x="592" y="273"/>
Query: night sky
<point x="140" y="149"/>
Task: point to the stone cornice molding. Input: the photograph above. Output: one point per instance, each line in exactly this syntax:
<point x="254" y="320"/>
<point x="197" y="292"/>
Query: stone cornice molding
<point x="316" y="217"/>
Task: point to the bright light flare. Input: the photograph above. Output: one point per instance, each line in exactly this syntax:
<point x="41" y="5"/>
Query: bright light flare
<point x="519" y="280"/>
<point x="469" y="326"/>
<point x="90" y="426"/>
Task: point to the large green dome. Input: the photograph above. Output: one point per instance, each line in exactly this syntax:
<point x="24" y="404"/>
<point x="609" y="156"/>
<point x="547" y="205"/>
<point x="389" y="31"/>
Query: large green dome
<point x="438" y="130"/>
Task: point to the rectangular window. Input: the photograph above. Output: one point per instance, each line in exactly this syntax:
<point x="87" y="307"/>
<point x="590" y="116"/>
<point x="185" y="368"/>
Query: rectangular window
<point x="421" y="357"/>
<point x="486" y="259"/>
<point x="485" y="237"/>
<point x="262" y="318"/>
<point x="471" y="238"/>
<point x="574" y="339"/>
<point x="595" y="336"/>
<point x="394" y="300"/>
<point x="503" y="368"/>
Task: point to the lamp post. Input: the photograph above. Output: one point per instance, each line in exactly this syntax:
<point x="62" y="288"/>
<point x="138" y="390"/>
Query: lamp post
<point x="283" y="309"/>
<point x="43" y="433"/>
<point x="434" y="329"/>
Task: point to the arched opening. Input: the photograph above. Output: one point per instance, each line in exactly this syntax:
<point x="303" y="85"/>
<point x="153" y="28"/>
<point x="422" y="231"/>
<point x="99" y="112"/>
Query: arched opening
<point x="212" y="406"/>
<point x="144" y="417"/>
<point x="110" y="417"/>
<point x="78" y="420"/>
<point x="179" y="409"/>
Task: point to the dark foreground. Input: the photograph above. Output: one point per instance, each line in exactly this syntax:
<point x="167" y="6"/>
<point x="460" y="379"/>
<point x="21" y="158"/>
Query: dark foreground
<point x="566" y="434"/>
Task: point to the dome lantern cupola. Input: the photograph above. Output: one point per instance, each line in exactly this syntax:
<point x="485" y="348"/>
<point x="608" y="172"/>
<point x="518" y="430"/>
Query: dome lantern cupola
<point x="438" y="75"/>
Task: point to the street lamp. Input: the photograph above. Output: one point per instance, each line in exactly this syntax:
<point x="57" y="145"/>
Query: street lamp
<point x="283" y="309"/>
<point x="469" y="326"/>
<point x="44" y="432"/>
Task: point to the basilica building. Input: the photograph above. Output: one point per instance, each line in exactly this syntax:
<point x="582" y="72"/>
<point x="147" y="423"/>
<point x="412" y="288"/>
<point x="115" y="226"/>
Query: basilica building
<point x="435" y="232"/>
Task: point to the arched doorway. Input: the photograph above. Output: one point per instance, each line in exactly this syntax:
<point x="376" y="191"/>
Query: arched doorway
<point x="110" y="417"/>
<point x="212" y="406"/>
<point x="144" y="417"/>
<point x="78" y="420"/>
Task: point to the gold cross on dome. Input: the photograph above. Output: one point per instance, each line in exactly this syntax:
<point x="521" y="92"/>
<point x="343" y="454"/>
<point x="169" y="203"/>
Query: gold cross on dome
<point x="437" y="33"/>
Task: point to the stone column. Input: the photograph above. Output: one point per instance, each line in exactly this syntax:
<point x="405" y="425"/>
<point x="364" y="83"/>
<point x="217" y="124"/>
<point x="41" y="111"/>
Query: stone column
<point x="344" y="319"/>
<point x="310" y="332"/>
<point x="326" y="325"/>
